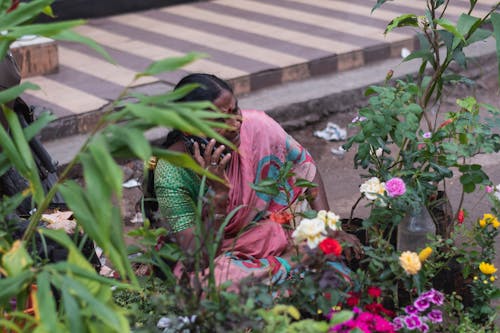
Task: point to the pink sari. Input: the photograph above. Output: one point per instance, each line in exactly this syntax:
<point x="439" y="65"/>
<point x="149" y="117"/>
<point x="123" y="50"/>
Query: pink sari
<point x="253" y="245"/>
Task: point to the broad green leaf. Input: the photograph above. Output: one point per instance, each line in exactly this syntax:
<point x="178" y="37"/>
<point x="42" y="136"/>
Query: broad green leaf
<point x="72" y="36"/>
<point x="479" y="35"/>
<point x="45" y="305"/>
<point x="466" y="26"/>
<point x="450" y="27"/>
<point x="24" y="12"/>
<point x="170" y="64"/>
<point x="495" y="21"/>
<point x="424" y="54"/>
<point x="16" y="260"/>
<point x="402" y="21"/>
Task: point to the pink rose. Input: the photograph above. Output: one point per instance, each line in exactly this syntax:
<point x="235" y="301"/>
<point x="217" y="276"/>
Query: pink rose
<point x="488" y="189"/>
<point x="395" y="187"/>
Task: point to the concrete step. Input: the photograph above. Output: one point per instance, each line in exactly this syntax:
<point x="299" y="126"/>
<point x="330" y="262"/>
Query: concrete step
<point x="298" y="104"/>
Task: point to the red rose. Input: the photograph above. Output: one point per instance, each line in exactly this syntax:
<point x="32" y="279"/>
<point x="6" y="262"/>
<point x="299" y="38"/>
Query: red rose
<point x="353" y="299"/>
<point x="330" y="246"/>
<point x="374" y="292"/>
<point x="460" y="216"/>
<point x="282" y="217"/>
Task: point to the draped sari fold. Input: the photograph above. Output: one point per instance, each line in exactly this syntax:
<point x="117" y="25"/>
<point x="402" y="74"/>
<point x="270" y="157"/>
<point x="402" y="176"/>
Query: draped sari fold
<point x="253" y="244"/>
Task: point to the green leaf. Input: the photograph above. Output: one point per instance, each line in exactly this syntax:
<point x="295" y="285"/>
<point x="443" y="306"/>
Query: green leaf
<point x="34" y="128"/>
<point x="72" y="36"/>
<point x="479" y="35"/>
<point x="450" y="27"/>
<point x="24" y="12"/>
<point x="100" y="310"/>
<point x="72" y="311"/>
<point x="495" y="21"/>
<point x="402" y="21"/>
<point x="16" y="260"/>
<point x="13" y="92"/>
<point x="341" y="317"/>
<point x="424" y="54"/>
<point x="45" y="301"/>
<point x="170" y="64"/>
<point x="378" y="4"/>
<point x="11" y="286"/>
<point x="466" y="26"/>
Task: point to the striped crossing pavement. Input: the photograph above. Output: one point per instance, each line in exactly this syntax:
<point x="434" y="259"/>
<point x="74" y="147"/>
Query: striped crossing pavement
<point x="252" y="43"/>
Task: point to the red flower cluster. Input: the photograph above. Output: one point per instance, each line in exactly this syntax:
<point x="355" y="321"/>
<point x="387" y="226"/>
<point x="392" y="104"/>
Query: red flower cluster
<point x="282" y="217"/>
<point x="374" y="292"/>
<point x="330" y="246"/>
<point x="374" y="307"/>
<point x="461" y="216"/>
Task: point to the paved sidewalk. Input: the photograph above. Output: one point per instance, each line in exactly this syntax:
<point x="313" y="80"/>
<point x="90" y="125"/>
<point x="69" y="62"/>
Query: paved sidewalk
<point x="253" y="44"/>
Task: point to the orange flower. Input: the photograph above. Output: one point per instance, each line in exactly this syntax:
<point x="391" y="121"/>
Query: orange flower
<point x="282" y="217"/>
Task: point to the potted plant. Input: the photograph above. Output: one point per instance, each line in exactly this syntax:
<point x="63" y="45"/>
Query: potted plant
<point x="404" y="133"/>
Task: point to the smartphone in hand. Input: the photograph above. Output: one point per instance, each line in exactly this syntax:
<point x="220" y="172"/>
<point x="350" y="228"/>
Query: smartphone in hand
<point x="202" y="143"/>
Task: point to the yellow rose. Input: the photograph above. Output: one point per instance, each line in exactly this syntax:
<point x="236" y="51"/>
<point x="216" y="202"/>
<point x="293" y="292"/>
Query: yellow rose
<point x="482" y="223"/>
<point x="424" y="254"/>
<point x="410" y="262"/>
<point x="495" y="223"/>
<point x="486" y="268"/>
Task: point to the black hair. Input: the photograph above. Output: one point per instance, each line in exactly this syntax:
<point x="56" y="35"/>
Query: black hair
<point x="210" y="88"/>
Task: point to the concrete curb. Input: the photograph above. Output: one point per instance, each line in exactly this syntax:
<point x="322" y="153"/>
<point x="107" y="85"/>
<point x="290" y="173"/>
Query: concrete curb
<point x="297" y="104"/>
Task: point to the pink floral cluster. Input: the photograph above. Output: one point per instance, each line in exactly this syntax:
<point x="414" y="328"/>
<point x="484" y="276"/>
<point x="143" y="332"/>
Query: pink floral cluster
<point x="365" y="322"/>
<point x="419" y="315"/>
<point x="395" y="187"/>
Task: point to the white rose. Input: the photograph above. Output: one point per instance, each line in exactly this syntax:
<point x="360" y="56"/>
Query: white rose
<point x="311" y="229"/>
<point x="332" y="220"/>
<point x="497" y="192"/>
<point x="372" y="187"/>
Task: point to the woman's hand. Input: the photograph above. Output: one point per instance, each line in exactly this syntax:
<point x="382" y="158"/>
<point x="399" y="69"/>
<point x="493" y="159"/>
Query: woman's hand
<point x="212" y="159"/>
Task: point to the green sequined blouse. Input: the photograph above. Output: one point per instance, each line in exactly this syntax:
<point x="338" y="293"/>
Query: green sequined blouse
<point x="177" y="192"/>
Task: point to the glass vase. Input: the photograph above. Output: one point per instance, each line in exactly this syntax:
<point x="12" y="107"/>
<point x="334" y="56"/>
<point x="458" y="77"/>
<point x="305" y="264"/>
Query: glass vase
<point x="414" y="228"/>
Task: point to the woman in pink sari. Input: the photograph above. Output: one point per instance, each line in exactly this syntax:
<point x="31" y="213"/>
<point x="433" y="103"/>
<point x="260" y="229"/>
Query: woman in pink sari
<point x="253" y="244"/>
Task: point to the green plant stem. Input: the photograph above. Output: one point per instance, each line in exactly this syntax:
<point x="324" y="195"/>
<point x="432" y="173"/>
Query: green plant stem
<point x="48" y="198"/>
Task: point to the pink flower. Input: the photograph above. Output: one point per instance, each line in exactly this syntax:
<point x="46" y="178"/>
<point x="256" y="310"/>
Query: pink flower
<point x="435" y="316"/>
<point x="395" y="187"/>
<point x="427" y="135"/>
<point x="488" y="189"/>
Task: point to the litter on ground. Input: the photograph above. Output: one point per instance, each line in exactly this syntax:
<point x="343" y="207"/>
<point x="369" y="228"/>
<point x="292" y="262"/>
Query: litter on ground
<point x="332" y="132"/>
